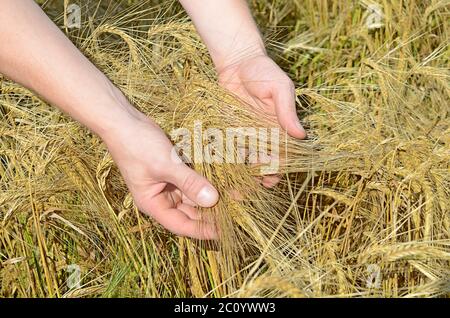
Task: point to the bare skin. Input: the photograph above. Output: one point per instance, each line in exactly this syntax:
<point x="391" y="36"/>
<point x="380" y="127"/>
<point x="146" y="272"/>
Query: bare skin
<point x="36" y="54"/>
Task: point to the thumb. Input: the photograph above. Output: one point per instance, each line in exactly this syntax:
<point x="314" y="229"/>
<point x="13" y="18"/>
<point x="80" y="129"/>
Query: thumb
<point x="284" y="98"/>
<point x="196" y="187"/>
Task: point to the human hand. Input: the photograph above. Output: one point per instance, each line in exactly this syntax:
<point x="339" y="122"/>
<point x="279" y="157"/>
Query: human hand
<point x="39" y="56"/>
<point x="162" y="187"/>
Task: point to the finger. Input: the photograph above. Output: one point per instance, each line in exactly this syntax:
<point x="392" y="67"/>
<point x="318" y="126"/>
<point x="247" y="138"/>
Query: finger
<point x="284" y="97"/>
<point x="179" y="197"/>
<point x="196" y="187"/>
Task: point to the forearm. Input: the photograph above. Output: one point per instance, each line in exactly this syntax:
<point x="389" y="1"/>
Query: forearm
<point x="36" y="54"/>
<point x="227" y="28"/>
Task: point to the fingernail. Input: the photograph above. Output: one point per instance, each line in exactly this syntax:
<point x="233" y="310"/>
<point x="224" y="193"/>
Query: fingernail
<point x="207" y="196"/>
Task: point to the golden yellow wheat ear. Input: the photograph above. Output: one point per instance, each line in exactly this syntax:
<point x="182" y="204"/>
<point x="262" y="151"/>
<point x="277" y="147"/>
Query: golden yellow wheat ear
<point x="362" y="206"/>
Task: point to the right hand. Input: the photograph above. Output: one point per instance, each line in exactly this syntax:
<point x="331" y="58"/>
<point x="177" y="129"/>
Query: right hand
<point x="163" y="188"/>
